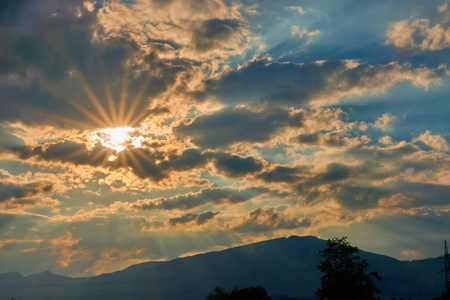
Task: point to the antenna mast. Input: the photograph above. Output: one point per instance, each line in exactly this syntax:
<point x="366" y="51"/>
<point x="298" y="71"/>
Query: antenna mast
<point x="447" y="268"/>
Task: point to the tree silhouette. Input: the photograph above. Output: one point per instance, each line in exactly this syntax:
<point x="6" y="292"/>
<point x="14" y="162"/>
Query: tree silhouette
<point x="218" y="294"/>
<point x="249" y="293"/>
<point x="345" y="274"/>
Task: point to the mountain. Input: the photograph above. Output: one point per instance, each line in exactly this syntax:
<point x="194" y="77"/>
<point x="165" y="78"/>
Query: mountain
<point x="284" y="266"/>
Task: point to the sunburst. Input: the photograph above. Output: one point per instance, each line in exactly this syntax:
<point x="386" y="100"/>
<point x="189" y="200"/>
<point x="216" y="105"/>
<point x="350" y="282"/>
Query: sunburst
<point x="114" y="138"/>
<point x="114" y="122"/>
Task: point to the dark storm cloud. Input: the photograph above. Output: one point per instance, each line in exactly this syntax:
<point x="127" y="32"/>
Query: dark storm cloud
<point x="189" y="159"/>
<point x="77" y="153"/>
<point x="235" y="165"/>
<point x="184" y="219"/>
<point x="204" y="197"/>
<point x="230" y="165"/>
<point x="232" y="125"/>
<point x="309" y="138"/>
<point x="211" y="31"/>
<point x="19" y="194"/>
<point x="281" y="82"/>
<point x="268" y="219"/>
<point x="143" y="164"/>
<point x="359" y="197"/>
<point x="262" y="81"/>
<point x="199" y="219"/>
<point x="283" y="174"/>
<point x="205" y="217"/>
<point x="141" y="161"/>
<point x="424" y="194"/>
<point x="298" y="84"/>
<point x="336" y="172"/>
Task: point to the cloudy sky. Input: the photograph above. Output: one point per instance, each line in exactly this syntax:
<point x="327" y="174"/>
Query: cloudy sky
<point x="139" y="130"/>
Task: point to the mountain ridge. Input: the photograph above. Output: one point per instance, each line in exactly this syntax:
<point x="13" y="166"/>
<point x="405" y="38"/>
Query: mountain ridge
<point x="284" y="266"/>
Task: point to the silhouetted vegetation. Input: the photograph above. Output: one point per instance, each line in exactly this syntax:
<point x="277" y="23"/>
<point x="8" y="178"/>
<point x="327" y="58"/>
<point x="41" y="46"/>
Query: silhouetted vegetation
<point x="249" y="293"/>
<point x="445" y="296"/>
<point x="401" y="298"/>
<point x="345" y="274"/>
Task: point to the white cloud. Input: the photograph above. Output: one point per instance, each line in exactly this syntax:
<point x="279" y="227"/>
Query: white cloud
<point x="434" y="141"/>
<point x="385" y="140"/>
<point x="300" y="33"/>
<point x="298" y="9"/>
<point x="426" y="34"/>
<point x="443" y="8"/>
<point x="203" y="29"/>
<point x="385" y="122"/>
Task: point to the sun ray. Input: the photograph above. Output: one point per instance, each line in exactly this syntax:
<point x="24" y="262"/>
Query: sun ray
<point x="96" y="156"/>
<point x="123" y="159"/>
<point x="94" y="100"/>
<point x="88" y="114"/>
<point x="143" y="155"/>
<point x="83" y="110"/>
<point x="109" y="97"/>
<point x="74" y="154"/>
<point x="136" y="100"/>
<point x="81" y="79"/>
<point x="123" y="95"/>
<point x="44" y="114"/>
<point x="136" y="162"/>
<point x="138" y="118"/>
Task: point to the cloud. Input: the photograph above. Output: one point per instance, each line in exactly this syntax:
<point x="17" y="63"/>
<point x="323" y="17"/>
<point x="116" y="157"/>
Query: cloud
<point x="220" y="196"/>
<point x="359" y="197"/>
<point x="27" y="194"/>
<point x="391" y="153"/>
<point x="217" y="37"/>
<point x="297" y="9"/>
<point x="195" y="30"/>
<point x="268" y="219"/>
<point x="237" y="166"/>
<point x="77" y="153"/>
<point x="233" y="125"/>
<point x="435" y="142"/>
<point x="296" y="32"/>
<point x="189" y="159"/>
<point x="419" y="33"/>
<point x="283" y="174"/>
<point x="299" y="84"/>
<point x="335" y="172"/>
<point x="385" y="122"/>
<point x="385" y="140"/>
<point x="199" y="219"/>
<point x="339" y="138"/>
<point x="9" y="141"/>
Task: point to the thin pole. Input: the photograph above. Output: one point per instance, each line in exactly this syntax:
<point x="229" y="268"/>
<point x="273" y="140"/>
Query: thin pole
<point x="447" y="267"/>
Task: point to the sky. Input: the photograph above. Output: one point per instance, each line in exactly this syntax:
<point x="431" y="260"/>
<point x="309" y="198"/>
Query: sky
<point x="140" y="130"/>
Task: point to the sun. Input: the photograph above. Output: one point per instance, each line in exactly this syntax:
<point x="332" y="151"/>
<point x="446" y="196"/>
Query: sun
<point x="114" y="138"/>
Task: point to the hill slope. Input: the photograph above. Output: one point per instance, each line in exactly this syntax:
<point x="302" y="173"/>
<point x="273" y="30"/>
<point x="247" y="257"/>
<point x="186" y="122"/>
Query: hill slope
<point x="284" y="266"/>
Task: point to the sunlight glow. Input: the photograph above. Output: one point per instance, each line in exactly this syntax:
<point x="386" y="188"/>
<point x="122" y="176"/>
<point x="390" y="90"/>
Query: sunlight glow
<point x="114" y="138"/>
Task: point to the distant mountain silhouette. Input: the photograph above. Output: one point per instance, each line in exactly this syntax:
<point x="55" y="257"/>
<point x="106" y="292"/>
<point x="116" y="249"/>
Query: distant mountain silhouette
<point x="284" y="266"/>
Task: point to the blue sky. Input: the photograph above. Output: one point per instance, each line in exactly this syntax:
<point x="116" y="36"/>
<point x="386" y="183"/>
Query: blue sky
<point x="147" y="130"/>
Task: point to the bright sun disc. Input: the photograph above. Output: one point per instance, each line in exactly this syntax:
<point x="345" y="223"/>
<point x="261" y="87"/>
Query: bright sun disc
<point x="114" y="138"/>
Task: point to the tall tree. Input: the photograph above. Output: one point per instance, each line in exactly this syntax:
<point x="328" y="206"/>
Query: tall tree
<point x="345" y="274"/>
